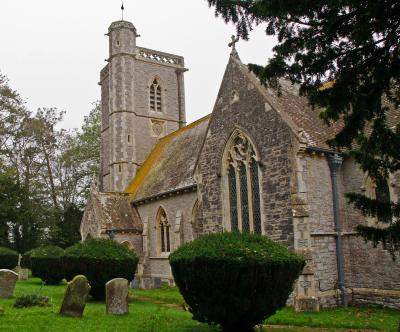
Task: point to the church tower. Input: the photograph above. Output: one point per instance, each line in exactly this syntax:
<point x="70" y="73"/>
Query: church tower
<point x="142" y="100"/>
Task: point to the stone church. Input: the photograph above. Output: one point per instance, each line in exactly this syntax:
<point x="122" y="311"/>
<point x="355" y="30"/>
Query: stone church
<point x="258" y="163"/>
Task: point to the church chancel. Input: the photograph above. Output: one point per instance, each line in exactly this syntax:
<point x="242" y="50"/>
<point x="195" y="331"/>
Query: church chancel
<point x="258" y="163"/>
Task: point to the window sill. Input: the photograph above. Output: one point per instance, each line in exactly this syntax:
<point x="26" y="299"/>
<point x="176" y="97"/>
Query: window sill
<point x="160" y="257"/>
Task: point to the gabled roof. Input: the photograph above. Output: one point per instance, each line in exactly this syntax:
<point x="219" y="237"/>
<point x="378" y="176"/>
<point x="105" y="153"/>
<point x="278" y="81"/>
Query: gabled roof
<point x="111" y="211"/>
<point x="170" y="166"/>
<point x="295" y="110"/>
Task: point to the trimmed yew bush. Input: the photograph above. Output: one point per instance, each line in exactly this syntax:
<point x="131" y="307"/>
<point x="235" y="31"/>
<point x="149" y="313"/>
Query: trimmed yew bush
<point x="8" y="258"/>
<point x="235" y="280"/>
<point x="100" y="260"/>
<point x="46" y="264"/>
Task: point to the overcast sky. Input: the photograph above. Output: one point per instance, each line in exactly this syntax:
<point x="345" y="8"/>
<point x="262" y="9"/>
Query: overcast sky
<point x="52" y="50"/>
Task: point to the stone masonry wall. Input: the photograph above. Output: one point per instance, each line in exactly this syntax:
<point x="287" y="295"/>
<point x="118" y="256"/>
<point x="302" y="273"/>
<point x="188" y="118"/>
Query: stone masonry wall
<point x="366" y="267"/>
<point x="321" y="227"/>
<point x="240" y="105"/>
<point x="179" y="212"/>
<point x="145" y="73"/>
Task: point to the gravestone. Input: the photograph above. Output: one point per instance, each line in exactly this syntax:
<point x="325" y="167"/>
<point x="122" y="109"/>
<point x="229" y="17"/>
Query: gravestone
<point x="8" y="280"/>
<point x="117" y="296"/>
<point x="75" y="297"/>
<point x="22" y="273"/>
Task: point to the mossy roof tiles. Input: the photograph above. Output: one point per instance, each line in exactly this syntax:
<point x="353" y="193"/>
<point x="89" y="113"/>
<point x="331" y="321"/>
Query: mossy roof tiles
<point x="170" y="166"/>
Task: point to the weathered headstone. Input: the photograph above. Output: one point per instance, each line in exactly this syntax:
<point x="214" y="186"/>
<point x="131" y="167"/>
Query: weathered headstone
<point x="8" y="280"/>
<point x="22" y="273"/>
<point x="117" y="296"/>
<point x="75" y="297"/>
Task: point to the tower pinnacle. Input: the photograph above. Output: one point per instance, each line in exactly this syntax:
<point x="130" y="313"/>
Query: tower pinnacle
<point x="122" y="10"/>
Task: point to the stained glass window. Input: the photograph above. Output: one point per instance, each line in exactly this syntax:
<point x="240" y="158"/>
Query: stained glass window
<point x="233" y="198"/>
<point x="244" y="196"/>
<point x="256" y="196"/>
<point x="243" y="185"/>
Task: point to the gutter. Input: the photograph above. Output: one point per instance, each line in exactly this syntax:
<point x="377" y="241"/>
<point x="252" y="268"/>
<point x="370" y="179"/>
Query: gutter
<point x="335" y="160"/>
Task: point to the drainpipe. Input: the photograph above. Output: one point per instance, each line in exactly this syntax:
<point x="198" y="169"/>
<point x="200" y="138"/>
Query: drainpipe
<point x="335" y="161"/>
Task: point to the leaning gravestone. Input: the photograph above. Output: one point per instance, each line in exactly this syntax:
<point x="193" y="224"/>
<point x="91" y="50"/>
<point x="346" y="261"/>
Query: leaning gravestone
<point x="117" y="296"/>
<point x="8" y="280"/>
<point x="75" y="297"/>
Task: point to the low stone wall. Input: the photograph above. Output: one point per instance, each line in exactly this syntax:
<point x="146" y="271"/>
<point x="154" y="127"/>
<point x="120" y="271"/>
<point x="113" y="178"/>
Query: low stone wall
<point x="386" y="298"/>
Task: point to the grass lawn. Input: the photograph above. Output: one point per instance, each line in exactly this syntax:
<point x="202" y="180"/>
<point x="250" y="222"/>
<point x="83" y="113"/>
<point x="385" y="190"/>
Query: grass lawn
<point x="349" y="318"/>
<point x="143" y="316"/>
<point x="146" y="316"/>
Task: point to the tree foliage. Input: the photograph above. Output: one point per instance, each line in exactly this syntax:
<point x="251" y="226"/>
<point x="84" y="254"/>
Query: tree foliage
<point x="45" y="173"/>
<point x="345" y="55"/>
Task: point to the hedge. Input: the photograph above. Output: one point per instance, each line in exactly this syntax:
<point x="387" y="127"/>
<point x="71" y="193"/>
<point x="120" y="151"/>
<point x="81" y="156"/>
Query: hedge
<point x="100" y="260"/>
<point x="8" y="258"/>
<point x="235" y="280"/>
<point x="46" y="263"/>
<point x="26" y="259"/>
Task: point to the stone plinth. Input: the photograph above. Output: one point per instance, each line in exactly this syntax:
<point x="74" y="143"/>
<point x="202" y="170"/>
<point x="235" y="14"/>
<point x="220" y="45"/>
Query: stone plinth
<point x="306" y="304"/>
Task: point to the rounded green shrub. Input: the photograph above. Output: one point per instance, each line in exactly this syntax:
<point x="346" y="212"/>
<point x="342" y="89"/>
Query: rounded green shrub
<point x="26" y="260"/>
<point x="100" y="260"/>
<point x="8" y="258"/>
<point x="235" y="280"/>
<point x="46" y="264"/>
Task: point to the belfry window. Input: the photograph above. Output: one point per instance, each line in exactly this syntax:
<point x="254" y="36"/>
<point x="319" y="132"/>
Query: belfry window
<point x="242" y="177"/>
<point x="155" y="96"/>
<point x="163" y="231"/>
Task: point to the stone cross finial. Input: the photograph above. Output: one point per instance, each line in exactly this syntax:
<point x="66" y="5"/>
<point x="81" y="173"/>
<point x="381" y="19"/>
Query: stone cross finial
<point x="233" y="45"/>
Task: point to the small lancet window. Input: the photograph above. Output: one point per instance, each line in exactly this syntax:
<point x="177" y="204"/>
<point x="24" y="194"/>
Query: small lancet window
<point x="155" y="96"/>
<point x="382" y="194"/>
<point x="164" y="231"/>
<point x="242" y="172"/>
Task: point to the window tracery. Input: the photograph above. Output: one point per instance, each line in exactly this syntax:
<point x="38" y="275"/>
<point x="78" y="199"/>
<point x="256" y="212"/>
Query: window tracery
<point x="242" y="172"/>
<point x="155" y="96"/>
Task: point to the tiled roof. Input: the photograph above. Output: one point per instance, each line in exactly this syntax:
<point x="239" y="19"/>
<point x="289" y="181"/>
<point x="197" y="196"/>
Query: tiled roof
<point x="170" y="166"/>
<point x="113" y="212"/>
<point x="306" y="119"/>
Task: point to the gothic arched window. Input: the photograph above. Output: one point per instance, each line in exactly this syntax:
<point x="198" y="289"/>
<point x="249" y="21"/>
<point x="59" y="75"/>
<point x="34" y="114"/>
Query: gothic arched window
<point x="382" y="194"/>
<point x="380" y="190"/>
<point x="197" y="228"/>
<point x="155" y="96"/>
<point x="242" y="177"/>
<point x="163" y="231"/>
